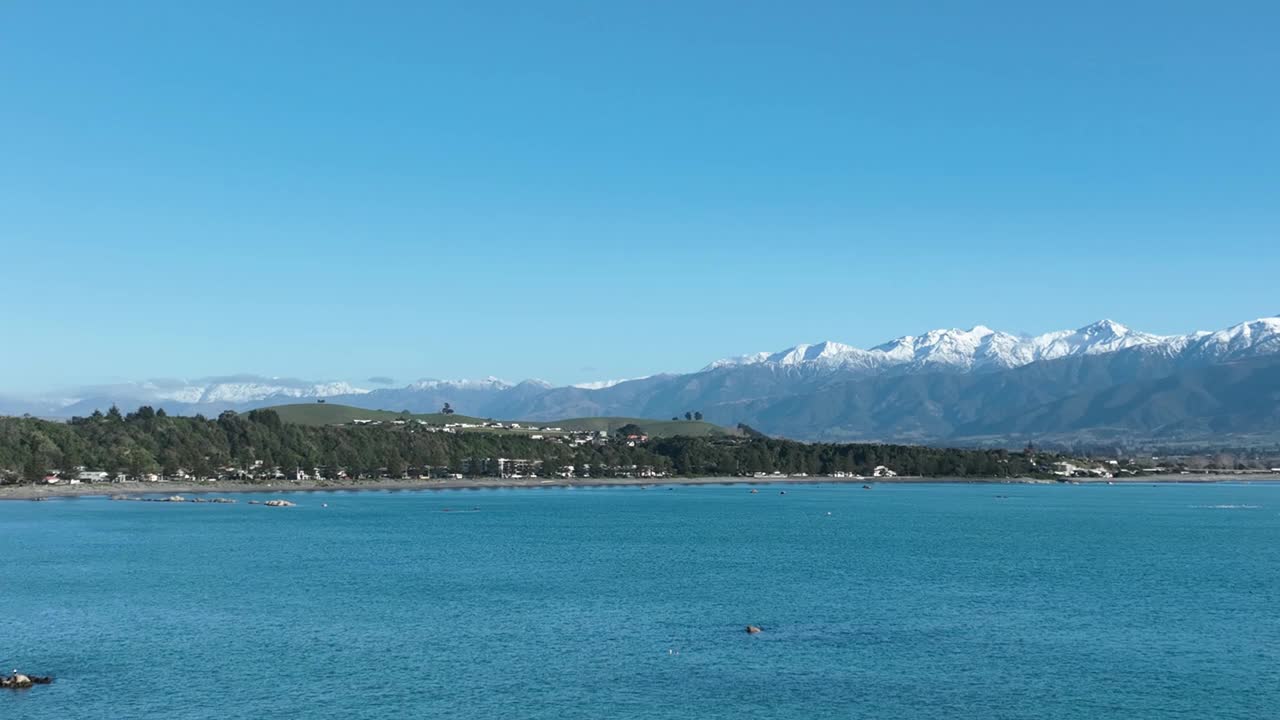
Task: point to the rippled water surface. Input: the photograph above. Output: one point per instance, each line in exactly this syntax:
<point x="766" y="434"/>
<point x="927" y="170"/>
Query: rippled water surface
<point x="939" y="601"/>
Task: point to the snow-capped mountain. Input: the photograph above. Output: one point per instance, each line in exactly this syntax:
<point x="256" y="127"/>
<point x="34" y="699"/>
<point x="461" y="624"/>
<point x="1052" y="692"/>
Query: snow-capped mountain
<point x="489" y="383"/>
<point x="602" y="384"/>
<point x="231" y="390"/>
<point x="205" y="395"/>
<point x="981" y="348"/>
<point x="947" y="384"/>
<point x="1248" y="339"/>
<point x="249" y="391"/>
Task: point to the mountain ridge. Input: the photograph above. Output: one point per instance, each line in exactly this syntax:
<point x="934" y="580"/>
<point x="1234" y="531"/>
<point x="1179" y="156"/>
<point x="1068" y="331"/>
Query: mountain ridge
<point x="976" y="348"/>
<point x="943" y="385"/>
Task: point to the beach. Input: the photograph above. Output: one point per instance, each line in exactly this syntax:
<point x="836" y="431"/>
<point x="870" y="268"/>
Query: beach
<point x="132" y="488"/>
<point x="626" y="603"/>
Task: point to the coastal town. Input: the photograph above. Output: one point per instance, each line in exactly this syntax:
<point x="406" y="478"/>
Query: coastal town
<point x="262" y="448"/>
<point x="517" y="468"/>
<point x="549" y="434"/>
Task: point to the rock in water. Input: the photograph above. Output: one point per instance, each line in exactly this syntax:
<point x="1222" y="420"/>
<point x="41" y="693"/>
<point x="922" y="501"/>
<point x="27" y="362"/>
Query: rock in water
<point x="18" y="681"/>
<point x="752" y="629"/>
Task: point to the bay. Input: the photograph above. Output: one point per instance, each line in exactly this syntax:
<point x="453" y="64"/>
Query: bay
<point x="905" y="601"/>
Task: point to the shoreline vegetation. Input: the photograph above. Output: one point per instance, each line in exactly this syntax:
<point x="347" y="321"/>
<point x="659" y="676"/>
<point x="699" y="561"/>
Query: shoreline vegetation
<point x="132" y="489"/>
<point x="259" y="447"/>
<point x="148" y="451"/>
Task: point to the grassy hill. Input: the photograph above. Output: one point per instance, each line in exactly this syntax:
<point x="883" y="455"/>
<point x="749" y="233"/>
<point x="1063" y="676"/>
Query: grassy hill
<point x="333" y="414"/>
<point x="654" y="428"/>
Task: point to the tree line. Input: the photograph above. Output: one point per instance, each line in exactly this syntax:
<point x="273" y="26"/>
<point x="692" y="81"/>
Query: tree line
<point x="149" y="441"/>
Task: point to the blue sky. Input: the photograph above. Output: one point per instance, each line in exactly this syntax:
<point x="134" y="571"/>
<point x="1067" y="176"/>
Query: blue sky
<point x="578" y="191"/>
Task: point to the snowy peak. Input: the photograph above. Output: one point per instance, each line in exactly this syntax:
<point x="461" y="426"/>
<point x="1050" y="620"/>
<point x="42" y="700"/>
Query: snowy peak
<point x="1103" y="336"/>
<point x="489" y="383"/>
<point x="248" y="392"/>
<point x="823" y="352"/>
<point x="1104" y="329"/>
<point x="748" y="359"/>
<point x="954" y="347"/>
<point x="831" y="354"/>
<point x="1244" y="340"/>
<point x="605" y="384"/>
<point x="223" y="391"/>
<point x="244" y="389"/>
<point x="981" y="347"/>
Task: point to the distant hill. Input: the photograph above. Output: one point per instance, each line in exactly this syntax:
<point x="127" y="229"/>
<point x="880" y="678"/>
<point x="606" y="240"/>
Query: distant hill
<point x="335" y="414"/>
<point x="315" y="413"/>
<point x="652" y="428"/>
<point x="1131" y="395"/>
<point x="1225" y="400"/>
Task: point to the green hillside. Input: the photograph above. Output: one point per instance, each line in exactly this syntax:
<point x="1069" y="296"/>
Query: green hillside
<point x="333" y="414"/>
<point x="653" y="428"/>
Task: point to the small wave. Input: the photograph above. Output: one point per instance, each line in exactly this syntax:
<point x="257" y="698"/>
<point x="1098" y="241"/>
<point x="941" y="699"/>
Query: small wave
<point x="1227" y="507"/>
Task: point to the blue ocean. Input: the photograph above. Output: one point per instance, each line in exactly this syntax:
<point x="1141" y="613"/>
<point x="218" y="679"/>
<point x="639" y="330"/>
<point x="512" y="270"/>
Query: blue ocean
<point x="904" y="601"/>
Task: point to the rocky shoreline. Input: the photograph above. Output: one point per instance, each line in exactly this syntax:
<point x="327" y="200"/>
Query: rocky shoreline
<point x="174" y="499"/>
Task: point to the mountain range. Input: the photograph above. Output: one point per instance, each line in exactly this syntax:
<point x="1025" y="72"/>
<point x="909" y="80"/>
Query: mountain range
<point x="1102" y="383"/>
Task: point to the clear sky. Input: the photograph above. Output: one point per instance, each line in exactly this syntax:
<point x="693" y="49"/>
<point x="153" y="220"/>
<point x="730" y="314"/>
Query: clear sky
<point x="581" y="191"/>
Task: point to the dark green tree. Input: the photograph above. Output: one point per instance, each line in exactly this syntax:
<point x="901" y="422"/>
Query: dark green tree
<point x="395" y="465"/>
<point x="33" y="471"/>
